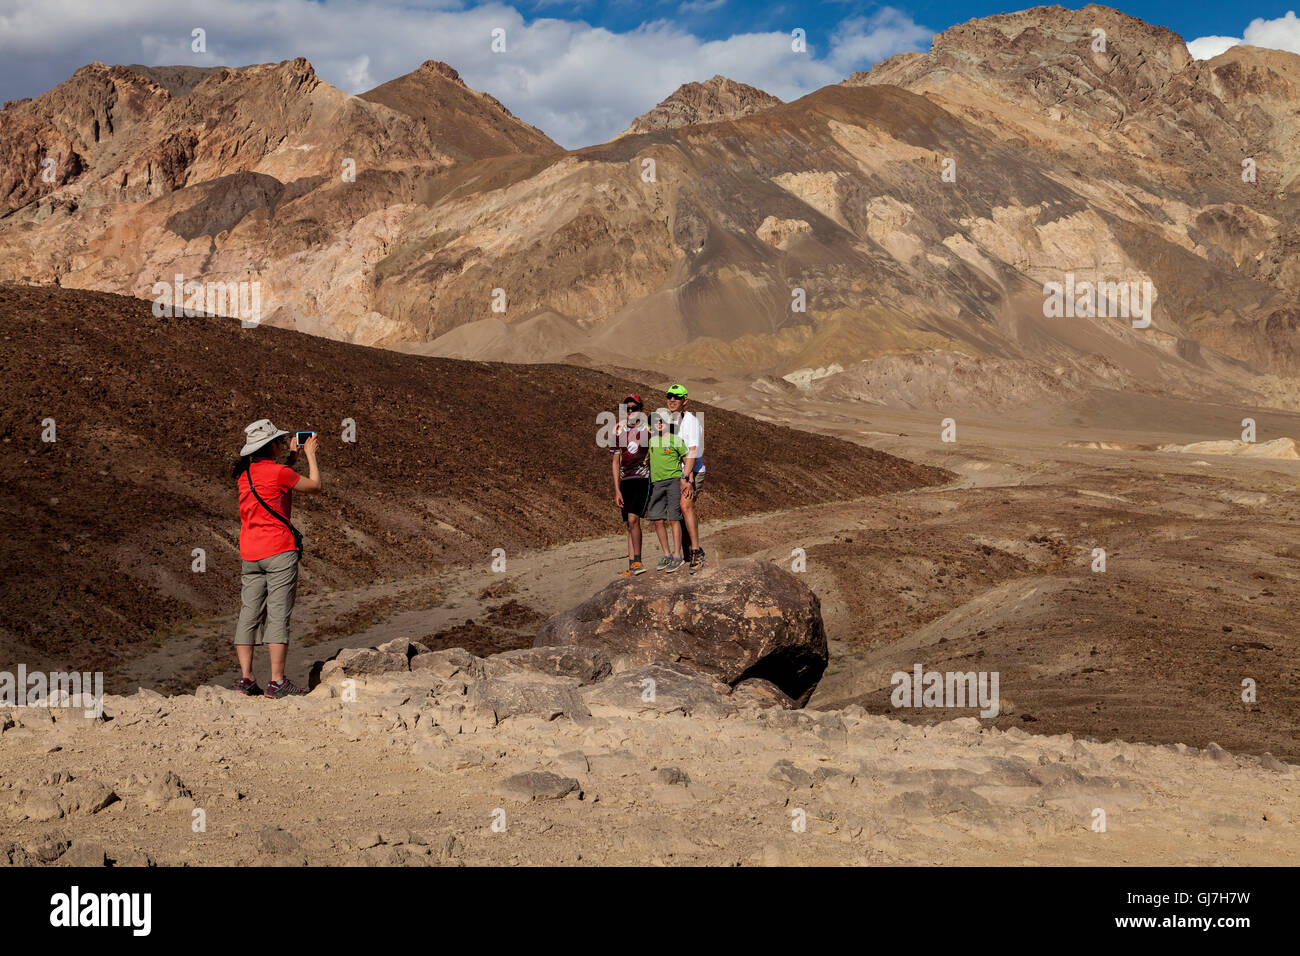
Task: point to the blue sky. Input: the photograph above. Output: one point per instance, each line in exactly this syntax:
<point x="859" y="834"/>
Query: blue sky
<point x="715" y="20"/>
<point x="579" y="71"/>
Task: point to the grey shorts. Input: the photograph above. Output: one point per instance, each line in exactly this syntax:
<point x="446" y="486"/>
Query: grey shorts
<point x="267" y="595"/>
<point x="665" y="500"/>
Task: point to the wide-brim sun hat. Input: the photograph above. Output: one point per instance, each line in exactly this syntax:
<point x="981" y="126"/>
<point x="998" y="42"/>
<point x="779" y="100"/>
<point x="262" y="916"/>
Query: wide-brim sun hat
<point x="258" y="434"/>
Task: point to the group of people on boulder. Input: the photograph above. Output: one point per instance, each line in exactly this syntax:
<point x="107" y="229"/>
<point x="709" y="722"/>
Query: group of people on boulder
<point x="658" y="470"/>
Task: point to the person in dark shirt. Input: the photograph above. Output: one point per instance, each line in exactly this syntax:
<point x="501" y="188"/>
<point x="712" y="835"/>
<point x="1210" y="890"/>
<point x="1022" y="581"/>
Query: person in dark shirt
<point x="631" y="470"/>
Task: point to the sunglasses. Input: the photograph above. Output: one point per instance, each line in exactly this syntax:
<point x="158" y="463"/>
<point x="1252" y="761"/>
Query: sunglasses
<point x="674" y="398"/>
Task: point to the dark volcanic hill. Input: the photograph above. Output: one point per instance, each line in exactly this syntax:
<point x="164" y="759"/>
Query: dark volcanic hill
<point x="452" y="459"/>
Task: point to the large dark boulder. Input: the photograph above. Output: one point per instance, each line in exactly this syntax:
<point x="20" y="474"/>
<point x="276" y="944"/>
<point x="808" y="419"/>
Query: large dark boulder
<point x="735" y="620"/>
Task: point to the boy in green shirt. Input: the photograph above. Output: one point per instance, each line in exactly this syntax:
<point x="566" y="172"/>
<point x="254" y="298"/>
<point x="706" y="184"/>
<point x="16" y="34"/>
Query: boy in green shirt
<point x="666" y="453"/>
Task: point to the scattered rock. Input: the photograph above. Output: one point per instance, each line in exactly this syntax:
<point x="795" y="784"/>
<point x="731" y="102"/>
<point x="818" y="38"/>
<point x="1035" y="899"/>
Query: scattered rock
<point x="587" y="664"/>
<point x="573" y="762"/>
<point x="831" y="776"/>
<point x="86" y="854"/>
<point x="831" y="728"/>
<point x="673" y="776"/>
<point x="281" y="845"/>
<point x="358" y="662"/>
<point x="1269" y="762"/>
<point x="449" y="663"/>
<point x="517" y="694"/>
<point x="786" y="773"/>
<point x="402" y="647"/>
<point x="450" y="847"/>
<point x="157" y="790"/>
<point x="133" y="858"/>
<point x="764" y="693"/>
<point x="537" y="785"/>
<point x="948" y="799"/>
<point x="87" y="796"/>
<point x="42" y="806"/>
<point x="11" y="854"/>
<point x="663" y="688"/>
<point x="1215" y="752"/>
<point x="49" y="849"/>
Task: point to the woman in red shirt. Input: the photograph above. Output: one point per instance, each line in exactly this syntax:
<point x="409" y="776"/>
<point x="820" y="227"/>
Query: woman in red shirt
<point x="269" y="548"/>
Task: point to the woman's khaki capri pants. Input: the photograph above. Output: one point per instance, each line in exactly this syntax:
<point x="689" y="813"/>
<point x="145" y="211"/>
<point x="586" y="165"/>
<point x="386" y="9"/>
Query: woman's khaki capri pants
<point x="269" y="586"/>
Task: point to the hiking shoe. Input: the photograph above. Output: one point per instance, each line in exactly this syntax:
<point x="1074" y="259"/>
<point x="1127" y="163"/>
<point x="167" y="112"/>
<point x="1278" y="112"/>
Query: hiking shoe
<point x="674" y="564"/>
<point x="663" y="563"/>
<point x="248" y="687"/>
<point x="625" y="574"/>
<point x="283" y="688"/>
<point x="637" y="568"/>
<point x="697" y="559"/>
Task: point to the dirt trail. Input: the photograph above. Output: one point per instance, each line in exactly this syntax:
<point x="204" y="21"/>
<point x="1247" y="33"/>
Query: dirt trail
<point x="546" y="581"/>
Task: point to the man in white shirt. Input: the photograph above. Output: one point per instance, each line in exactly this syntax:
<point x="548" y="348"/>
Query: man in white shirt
<point x="691" y="431"/>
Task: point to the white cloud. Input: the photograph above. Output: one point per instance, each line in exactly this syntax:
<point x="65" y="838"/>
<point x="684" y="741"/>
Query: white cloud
<point x="700" y="6"/>
<point x="870" y="39"/>
<point x="1282" y="33"/>
<point x="577" y="82"/>
<point x="1207" y="48"/>
<point x="358" y="76"/>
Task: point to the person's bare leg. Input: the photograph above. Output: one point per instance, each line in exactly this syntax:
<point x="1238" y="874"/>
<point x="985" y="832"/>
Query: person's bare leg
<point x="245" y="654"/>
<point x="677" y="539"/>
<point x="634" y="536"/>
<point x="279" y="652"/>
<point x="688" y="515"/>
<point x="663" y="537"/>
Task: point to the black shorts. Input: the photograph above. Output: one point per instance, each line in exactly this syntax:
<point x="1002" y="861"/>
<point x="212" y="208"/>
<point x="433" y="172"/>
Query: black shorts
<point x="636" y="492"/>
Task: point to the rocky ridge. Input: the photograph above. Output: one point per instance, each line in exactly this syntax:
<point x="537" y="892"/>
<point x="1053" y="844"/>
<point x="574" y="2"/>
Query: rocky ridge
<point x="716" y="99"/>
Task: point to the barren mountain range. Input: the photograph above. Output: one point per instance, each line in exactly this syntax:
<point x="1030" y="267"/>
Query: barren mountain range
<point x="916" y="210"/>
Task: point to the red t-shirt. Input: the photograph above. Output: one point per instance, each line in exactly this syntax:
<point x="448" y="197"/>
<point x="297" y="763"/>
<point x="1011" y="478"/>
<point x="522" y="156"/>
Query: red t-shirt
<point x="632" y="442"/>
<point x="260" y="534"/>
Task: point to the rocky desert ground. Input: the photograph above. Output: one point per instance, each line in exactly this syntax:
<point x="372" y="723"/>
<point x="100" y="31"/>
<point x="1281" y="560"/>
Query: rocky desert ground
<point x="394" y="778"/>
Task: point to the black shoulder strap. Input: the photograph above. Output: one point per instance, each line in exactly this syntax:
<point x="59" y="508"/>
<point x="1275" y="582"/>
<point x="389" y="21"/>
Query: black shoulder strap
<point x="297" y="535"/>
